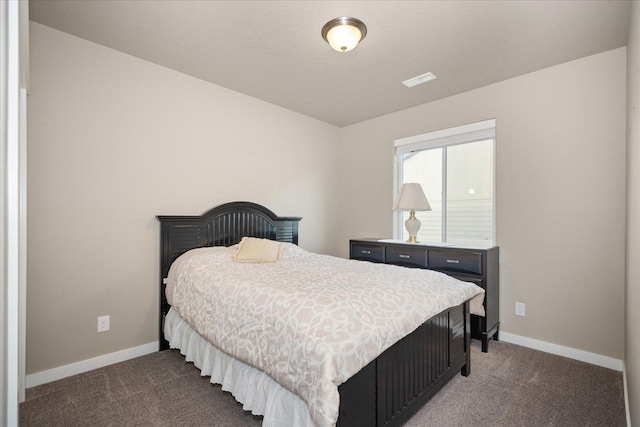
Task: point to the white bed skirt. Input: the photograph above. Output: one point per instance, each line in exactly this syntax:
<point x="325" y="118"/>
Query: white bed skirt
<point x="257" y="391"/>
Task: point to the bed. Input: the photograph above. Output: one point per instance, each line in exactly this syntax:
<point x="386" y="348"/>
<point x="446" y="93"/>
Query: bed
<point x="384" y="392"/>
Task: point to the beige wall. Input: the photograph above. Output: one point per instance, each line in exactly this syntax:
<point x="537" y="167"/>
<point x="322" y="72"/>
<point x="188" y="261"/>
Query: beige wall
<point x="560" y="193"/>
<point x="632" y="349"/>
<point x="114" y="141"/>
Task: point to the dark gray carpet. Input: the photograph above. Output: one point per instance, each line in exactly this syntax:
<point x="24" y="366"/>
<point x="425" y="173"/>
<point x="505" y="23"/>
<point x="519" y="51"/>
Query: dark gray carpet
<point x="509" y="386"/>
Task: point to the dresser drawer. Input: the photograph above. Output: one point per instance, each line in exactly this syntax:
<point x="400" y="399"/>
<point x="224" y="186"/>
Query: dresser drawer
<point x="452" y="260"/>
<point x="407" y="256"/>
<point x="367" y="252"/>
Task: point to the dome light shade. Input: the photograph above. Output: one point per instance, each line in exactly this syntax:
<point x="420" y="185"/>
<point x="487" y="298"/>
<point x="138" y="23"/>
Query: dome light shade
<point x="343" y="34"/>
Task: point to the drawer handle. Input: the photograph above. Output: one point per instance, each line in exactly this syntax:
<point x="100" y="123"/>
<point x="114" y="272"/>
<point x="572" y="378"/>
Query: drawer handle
<point x="366" y="252"/>
<point x="453" y="261"/>
<point x="404" y="256"/>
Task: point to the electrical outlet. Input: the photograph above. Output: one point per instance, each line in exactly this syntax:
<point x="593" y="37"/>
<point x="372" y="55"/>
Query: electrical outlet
<point x="520" y="309"/>
<point x="103" y="323"/>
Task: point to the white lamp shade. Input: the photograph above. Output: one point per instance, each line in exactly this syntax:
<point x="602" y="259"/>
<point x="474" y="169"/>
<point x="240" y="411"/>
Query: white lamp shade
<point x="411" y="197"/>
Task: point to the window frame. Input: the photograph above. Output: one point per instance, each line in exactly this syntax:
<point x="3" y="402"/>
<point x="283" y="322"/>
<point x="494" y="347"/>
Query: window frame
<point x="449" y="137"/>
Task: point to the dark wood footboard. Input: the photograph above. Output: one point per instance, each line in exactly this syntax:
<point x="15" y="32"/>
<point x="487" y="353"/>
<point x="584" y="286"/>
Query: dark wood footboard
<point x="389" y="390"/>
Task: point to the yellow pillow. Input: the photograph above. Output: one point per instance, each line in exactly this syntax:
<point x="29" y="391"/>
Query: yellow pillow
<point x="254" y="250"/>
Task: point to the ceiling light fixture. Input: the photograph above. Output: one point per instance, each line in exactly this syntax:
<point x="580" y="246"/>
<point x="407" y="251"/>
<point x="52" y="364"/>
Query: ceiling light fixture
<point x="343" y="34"/>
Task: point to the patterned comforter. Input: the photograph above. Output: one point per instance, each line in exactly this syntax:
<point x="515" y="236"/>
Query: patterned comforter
<point x="309" y="321"/>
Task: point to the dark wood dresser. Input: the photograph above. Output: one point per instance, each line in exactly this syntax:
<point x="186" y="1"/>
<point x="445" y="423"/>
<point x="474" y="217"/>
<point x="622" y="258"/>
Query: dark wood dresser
<point x="469" y="264"/>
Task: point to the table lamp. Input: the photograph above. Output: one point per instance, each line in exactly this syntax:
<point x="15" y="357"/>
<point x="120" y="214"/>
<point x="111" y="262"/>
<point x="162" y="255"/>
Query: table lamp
<point x="411" y="198"/>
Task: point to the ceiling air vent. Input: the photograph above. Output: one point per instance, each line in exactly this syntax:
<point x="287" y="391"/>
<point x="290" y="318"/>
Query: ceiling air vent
<point x="423" y="78"/>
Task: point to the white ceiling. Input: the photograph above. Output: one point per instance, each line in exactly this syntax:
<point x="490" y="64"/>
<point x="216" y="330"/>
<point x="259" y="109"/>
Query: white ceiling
<point x="273" y="50"/>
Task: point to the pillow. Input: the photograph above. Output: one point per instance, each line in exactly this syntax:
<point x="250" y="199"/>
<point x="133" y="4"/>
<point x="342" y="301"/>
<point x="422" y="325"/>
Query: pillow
<point x="254" y="250"/>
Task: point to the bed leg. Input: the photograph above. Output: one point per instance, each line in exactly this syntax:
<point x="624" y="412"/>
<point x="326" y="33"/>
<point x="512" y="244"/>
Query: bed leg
<point x="466" y="369"/>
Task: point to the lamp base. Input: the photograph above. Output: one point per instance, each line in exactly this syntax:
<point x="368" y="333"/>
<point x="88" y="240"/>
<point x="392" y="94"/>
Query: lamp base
<point x="412" y="224"/>
<point x="412" y="239"/>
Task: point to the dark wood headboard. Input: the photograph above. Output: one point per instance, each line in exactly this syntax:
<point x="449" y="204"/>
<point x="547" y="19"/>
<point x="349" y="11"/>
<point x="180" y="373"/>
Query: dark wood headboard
<point x="224" y="225"/>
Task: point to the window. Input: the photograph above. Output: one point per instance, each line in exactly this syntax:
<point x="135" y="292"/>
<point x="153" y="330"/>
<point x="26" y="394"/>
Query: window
<point x="456" y="170"/>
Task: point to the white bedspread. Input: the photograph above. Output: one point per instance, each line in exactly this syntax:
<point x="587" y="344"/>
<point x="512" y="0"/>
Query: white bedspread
<point x="309" y="321"/>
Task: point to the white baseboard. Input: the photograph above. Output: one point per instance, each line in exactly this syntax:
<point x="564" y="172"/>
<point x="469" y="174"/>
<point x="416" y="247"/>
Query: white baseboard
<point x="55" y="374"/>
<point x="571" y="353"/>
<point x="626" y="394"/>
